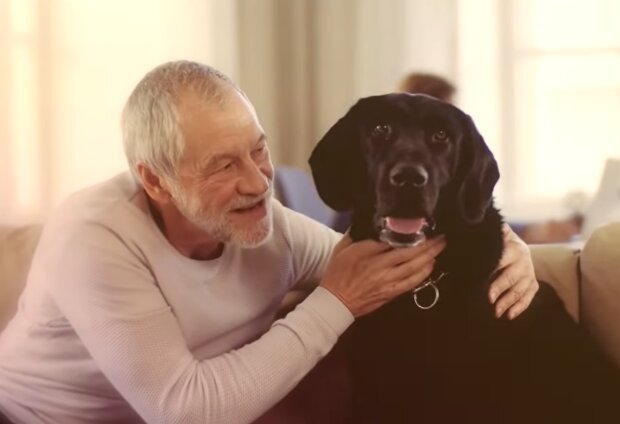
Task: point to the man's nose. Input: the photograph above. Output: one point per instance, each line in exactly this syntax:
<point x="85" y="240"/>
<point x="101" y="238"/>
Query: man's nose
<point x="254" y="180"/>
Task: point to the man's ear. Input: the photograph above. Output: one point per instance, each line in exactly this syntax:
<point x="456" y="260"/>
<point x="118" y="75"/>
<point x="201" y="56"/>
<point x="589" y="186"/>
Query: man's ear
<point x="334" y="162"/>
<point x="477" y="174"/>
<point x="155" y="186"/>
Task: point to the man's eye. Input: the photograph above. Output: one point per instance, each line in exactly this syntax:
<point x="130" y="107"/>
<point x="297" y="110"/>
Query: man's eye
<point x="260" y="153"/>
<point x="440" y="137"/>
<point x="381" y="132"/>
<point x="225" y="166"/>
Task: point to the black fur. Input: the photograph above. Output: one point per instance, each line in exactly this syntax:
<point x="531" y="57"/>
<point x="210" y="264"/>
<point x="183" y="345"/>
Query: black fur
<point x="454" y="363"/>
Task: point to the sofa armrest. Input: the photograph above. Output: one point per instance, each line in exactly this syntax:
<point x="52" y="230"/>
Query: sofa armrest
<point x="600" y="294"/>
<point x="558" y="265"/>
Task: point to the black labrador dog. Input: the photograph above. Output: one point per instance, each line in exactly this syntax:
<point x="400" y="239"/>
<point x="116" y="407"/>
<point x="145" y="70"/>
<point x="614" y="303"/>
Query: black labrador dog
<point x="409" y="166"/>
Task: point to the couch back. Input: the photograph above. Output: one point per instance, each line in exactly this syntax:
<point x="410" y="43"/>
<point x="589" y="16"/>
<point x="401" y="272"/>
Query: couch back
<point x="17" y="246"/>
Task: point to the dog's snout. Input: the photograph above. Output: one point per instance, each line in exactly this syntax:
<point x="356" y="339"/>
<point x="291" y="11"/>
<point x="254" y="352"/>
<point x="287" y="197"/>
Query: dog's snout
<point x="408" y="175"/>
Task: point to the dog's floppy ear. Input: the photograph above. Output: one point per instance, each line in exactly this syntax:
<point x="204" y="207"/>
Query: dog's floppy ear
<point x="334" y="161"/>
<point x="477" y="174"/>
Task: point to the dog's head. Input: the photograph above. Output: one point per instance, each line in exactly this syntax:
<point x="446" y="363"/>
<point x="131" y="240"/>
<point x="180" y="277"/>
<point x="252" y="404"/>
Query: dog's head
<point x="398" y="159"/>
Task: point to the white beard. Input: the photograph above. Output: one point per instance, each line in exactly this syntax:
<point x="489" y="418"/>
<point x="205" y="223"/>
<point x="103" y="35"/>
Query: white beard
<point x="217" y="223"/>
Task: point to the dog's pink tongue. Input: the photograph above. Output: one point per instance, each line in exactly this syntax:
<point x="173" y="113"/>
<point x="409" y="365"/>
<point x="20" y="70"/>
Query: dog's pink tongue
<point x="405" y="226"/>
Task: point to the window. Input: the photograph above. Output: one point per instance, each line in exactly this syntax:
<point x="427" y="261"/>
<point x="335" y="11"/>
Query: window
<point x="558" y="72"/>
<point x="566" y="85"/>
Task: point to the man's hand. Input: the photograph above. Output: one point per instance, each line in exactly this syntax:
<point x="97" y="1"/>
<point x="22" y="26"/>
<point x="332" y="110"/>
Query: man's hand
<point x="368" y="274"/>
<point x="516" y="284"/>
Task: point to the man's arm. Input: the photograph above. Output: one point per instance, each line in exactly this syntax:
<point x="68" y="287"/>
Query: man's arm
<point x="105" y="289"/>
<point x="111" y="300"/>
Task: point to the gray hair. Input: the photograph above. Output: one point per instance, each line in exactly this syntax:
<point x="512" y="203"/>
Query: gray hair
<point x="150" y="121"/>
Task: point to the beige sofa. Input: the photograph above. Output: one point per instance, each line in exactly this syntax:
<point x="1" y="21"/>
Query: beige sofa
<point x="17" y="245"/>
<point x="587" y="279"/>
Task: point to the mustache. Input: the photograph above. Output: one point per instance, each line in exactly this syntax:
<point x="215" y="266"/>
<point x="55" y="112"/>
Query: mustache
<point x="248" y="201"/>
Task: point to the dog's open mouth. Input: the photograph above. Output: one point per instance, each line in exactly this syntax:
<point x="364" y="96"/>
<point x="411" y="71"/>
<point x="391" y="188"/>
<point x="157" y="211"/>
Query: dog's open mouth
<point x="403" y="232"/>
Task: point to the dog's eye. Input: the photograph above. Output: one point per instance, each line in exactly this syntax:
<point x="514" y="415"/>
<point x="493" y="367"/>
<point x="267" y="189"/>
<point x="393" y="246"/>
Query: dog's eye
<point x="440" y="137"/>
<point x="381" y="131"/>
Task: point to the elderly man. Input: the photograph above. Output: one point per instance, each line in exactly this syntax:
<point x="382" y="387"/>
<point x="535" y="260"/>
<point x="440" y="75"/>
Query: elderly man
<point x="152" y="296"/>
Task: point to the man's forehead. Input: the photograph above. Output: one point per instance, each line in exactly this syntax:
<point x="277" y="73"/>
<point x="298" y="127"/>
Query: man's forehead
<point x="218" y="129"/>
<point x="191" y="101"/>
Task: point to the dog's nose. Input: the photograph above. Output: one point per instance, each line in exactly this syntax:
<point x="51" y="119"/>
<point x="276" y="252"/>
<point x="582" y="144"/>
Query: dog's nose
<point x="402" y="175"/>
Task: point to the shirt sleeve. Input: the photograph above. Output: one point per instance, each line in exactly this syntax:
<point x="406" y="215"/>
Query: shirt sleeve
<point x="107" y="293"/>
<point x="311" y="244"/>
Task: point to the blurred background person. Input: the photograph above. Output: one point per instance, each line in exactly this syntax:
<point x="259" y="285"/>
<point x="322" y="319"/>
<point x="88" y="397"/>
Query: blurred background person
<point x="431" y="84"/>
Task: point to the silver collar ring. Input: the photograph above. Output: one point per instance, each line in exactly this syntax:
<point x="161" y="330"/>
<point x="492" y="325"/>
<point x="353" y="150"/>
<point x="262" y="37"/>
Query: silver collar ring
<point x="429" y="283"/>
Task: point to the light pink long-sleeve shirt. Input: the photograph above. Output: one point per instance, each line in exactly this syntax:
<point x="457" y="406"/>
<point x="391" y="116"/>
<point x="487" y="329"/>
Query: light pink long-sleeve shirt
<point x="116" y="326"/>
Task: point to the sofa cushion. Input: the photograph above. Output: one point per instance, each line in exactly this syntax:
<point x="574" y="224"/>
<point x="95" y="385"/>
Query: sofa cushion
<point x="17" y="246"/>
<point x="558" y="265"/>
<point x="600" y="288"/>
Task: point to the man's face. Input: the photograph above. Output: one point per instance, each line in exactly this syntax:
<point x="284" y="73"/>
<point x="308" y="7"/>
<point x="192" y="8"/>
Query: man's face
<point x="224" y="183"/>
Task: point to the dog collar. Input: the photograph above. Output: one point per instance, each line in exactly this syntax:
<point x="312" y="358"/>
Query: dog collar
<point x="429" y="283"/>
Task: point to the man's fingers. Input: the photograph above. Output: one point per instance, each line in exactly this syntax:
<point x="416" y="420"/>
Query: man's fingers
<point x="389" y="255"/>
<point x="413" y="281"/>
<point x="513" y="296"/>
<point x="523" y="303"/>
<point x="519" y="306"/>
<point x="364" y="248"/>
<point x="414" y="271"/>
<point x="427" y="250"/>
<point x="506" y="300"/>
<point x="424" y="259"/>
<point x="501" y="284"/>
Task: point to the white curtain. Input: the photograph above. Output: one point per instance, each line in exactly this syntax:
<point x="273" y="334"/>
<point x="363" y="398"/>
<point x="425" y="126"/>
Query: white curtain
<point x="305" y="62"/>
